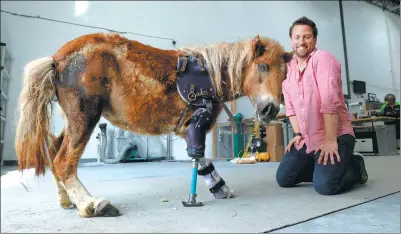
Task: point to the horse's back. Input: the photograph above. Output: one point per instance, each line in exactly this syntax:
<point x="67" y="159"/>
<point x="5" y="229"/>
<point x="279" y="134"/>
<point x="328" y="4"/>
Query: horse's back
<point x="135" y="82"/>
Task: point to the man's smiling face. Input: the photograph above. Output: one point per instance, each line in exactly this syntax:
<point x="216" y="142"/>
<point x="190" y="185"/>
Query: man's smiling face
<point x="302" y="40"/>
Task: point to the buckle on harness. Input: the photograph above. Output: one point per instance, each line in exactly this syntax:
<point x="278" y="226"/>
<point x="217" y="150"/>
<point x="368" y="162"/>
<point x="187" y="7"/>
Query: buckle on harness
<point x="191" y="94"/>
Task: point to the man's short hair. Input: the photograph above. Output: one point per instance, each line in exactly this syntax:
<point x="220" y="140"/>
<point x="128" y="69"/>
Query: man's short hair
<point x="304" y="21"/>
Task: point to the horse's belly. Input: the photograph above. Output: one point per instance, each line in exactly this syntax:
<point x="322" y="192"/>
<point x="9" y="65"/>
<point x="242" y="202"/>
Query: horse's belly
<point x="151" y="116"/>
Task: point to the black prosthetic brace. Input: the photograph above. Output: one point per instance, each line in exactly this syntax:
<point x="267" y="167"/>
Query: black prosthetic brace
<point x="196" y="132"/>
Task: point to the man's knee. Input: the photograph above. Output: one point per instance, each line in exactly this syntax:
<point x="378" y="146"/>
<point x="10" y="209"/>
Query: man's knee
<point x="292" y="164"/>
<point x="283" y="179"/>
<point x="326" y="186"/>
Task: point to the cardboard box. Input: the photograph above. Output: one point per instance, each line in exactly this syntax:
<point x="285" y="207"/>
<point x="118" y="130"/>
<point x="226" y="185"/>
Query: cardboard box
<point x="276" y="152"/>
<point x="274" y="134"/>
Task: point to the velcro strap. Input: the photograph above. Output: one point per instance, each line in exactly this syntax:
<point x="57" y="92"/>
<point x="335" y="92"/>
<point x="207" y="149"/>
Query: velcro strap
<point x="206" y="170"/>
<point x="217" y="186"/>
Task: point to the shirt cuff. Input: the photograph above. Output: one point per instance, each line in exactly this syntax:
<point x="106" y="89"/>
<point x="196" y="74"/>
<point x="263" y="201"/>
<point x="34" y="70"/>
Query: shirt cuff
<point x="289" y="113"/>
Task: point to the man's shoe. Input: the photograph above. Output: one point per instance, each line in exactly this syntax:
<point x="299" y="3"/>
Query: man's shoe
<point x="362" y="169"/>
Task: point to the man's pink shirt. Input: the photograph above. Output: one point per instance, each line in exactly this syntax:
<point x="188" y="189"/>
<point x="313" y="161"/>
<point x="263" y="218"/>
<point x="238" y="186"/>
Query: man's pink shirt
<point x="315" y="91"/>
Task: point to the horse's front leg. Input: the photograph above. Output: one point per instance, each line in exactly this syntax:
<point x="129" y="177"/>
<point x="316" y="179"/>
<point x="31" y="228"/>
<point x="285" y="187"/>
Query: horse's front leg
<point x="196" y="138"/>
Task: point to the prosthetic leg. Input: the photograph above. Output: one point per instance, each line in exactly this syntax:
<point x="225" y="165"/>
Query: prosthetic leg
<point x="192" y="195"/>
<point x="196" y="137"/>
<point x="217" y="186"/>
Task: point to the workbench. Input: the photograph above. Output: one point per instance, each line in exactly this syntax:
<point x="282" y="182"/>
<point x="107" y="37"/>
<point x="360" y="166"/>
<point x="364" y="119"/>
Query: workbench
<point x="373" y="119"/>
<point x="375" y="138"/>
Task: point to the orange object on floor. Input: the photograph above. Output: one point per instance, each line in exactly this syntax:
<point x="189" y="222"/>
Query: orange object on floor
<point x="263" y="156"/>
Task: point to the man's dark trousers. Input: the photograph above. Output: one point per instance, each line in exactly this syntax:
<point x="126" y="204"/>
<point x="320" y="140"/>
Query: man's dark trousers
<point x="297" y="166"/>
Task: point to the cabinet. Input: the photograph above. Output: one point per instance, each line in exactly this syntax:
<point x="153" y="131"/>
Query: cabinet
<point x="364" y="145"/>
<point x="4" y="85"/>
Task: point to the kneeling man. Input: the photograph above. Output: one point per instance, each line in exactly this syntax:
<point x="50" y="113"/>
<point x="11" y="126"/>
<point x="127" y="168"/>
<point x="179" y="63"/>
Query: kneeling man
<point x="322" y="149"/>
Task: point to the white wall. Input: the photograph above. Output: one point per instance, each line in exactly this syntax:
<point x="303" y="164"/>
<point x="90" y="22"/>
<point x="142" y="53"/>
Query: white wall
<point x="393" y="29"/>
<point x="187" y="22"/>
<point x="373" y="44"/>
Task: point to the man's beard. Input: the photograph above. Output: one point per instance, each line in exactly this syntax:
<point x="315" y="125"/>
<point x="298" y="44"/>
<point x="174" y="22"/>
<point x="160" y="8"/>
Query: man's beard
<point x="304" y="55"/>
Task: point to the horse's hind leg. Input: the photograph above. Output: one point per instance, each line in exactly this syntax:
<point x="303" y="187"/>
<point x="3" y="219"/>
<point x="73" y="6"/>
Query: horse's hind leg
<point x="63" y="197"/>
<point x="82" y="116"/>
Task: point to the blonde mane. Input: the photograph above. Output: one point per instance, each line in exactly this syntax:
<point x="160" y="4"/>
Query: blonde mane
<point x="224" y="57"/>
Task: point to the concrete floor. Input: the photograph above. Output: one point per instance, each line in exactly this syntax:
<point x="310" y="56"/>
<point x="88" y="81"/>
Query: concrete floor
<point x="137" y="189"/>
<point x="378" y="216"/>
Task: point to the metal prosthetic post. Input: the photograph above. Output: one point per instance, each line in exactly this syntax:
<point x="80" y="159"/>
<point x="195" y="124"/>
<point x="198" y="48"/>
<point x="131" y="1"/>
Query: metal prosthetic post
<point x="192" y="195"/>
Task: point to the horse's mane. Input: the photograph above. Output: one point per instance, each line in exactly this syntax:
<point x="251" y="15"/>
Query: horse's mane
<point x="228" y="58"/>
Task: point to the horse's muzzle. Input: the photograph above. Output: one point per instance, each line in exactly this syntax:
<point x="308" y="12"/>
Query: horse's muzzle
<point x="267" y="112"/>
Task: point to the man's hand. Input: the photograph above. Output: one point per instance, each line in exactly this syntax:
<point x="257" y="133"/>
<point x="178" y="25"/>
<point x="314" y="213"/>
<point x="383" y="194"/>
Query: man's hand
<point x="328" y="149"/>
<point x="296" y="140"/>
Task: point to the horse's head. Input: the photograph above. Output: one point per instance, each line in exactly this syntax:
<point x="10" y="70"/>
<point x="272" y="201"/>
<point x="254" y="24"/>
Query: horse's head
<point x="265" y="74"/>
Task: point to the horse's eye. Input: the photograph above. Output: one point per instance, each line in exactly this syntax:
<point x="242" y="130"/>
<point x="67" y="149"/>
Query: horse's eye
<point x="264" y="67"/>
<point x="260" y="50"/>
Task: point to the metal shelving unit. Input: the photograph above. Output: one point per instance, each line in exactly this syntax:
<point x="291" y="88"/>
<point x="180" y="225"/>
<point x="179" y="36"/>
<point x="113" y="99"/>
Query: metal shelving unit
<point x="5" y="80"/>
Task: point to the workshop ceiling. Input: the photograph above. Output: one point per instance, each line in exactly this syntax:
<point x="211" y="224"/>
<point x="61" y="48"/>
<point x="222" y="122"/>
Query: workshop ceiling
<point x="392" y="6"/>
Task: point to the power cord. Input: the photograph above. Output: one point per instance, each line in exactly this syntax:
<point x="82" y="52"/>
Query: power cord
<point x="87" y="26"/>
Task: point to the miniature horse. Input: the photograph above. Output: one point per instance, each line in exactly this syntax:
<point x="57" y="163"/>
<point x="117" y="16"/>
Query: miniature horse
<point x="137" y="88"/>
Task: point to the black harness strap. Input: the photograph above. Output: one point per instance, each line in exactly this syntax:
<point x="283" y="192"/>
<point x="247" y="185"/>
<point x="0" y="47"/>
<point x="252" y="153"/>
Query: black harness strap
<point x="183" y="115"/>
<point x="195" y="86"/>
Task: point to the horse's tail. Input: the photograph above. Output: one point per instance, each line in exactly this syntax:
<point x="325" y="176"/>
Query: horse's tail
<point x="34" y="140"/>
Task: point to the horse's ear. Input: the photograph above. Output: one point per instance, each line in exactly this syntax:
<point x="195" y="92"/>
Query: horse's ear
<point x="258" y="47"/>
<point x="287" y="56"/>
<point x="256" y="40"/>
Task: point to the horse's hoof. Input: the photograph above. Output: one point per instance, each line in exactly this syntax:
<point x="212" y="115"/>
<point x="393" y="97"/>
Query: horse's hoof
<point x="105" y="209"/>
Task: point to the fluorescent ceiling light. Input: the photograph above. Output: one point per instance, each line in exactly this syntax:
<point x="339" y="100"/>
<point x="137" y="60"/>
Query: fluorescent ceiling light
<point x="80" y="7"/>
